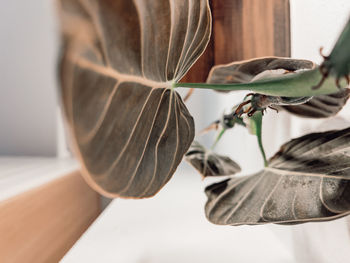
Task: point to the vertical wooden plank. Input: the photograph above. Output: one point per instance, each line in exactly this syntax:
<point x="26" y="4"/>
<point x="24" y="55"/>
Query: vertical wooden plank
<point x="41" y="225"/>
<point x="245" y="29"/>
<point x="282" y="38"/>
<point x="227" y="30"/>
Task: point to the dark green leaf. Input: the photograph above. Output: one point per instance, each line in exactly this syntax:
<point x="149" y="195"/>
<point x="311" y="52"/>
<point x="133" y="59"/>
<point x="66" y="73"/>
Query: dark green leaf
<point x="321" y="106"/>
<point x="247" y="70"/>
<point x="209" y="163"/>
<point x="307" y="180"/>
<point x="119" y="60"/>
<point x="281" y="78"/>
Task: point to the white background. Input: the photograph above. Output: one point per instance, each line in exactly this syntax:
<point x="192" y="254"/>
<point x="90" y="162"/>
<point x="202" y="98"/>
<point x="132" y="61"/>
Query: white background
<point x="28" y="97"/>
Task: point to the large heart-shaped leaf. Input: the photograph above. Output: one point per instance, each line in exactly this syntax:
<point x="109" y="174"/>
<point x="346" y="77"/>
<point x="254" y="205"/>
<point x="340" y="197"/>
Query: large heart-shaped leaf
<point x="119" y="61"/>
<point x="307" y="180"/>
<point x="246" y="71"/>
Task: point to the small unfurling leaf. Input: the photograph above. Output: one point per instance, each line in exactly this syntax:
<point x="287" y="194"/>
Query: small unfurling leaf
<point x="209" y="163"/>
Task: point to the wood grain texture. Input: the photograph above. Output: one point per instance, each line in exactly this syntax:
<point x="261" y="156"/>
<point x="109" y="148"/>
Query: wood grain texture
<point x="245" y="29"/>
<point x="41" y="225"/>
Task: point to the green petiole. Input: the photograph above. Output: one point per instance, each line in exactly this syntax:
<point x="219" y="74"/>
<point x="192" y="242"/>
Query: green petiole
<point x="289" y="85"/>
<point x="218" y="139"/>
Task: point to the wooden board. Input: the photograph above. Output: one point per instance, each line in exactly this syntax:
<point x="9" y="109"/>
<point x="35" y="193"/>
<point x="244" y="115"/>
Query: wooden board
<point x="42" y="224"/>
<point x="244" y="29"/>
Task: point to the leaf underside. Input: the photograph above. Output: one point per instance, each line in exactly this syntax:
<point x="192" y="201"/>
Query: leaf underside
<point x="246" y="70"/>
<point x="130" y="129"/>
<point x="307" y="180"/>
<point x="320" y="106"/>
<point x="208" y="163"/>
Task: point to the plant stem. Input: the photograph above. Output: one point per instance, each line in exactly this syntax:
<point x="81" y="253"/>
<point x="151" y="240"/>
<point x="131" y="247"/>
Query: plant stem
<point x="256" y="125"/>
<point x="217" y="139"/>
<point x="261" y="147"/>
<point x="290" y="85"/>
<point x="338" y="62"/>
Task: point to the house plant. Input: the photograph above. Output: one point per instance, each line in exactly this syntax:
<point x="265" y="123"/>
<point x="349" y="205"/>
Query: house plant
<point x="121" y="64"/>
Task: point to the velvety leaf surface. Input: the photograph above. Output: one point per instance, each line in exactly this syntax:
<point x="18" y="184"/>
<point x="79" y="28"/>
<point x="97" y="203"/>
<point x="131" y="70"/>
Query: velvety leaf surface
<point x="307" y="180"/>
<point x="209" y="163"/>
<point x="246" y="70"/>
<point x="321" y="106"/>
<point x="119" y="60"/>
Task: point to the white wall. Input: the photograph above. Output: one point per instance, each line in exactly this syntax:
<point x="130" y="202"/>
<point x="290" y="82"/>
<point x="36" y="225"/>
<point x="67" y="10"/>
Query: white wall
<point x="28" y="106"/>
<point x="317" y="23"/>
